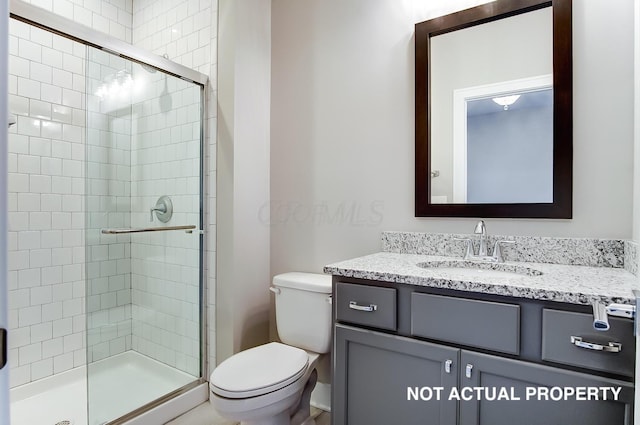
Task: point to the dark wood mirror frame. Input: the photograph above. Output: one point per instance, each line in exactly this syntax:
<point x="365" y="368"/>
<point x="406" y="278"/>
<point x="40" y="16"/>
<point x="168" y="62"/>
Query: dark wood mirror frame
<point x="561" y="207"/>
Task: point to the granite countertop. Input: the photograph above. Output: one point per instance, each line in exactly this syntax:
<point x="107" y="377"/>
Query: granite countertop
<point x="558" y="282"/>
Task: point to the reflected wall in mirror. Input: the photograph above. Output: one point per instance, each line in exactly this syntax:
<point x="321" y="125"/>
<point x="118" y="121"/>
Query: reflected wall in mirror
<point x="502" y="145"/>
<point x="493" y="111"/>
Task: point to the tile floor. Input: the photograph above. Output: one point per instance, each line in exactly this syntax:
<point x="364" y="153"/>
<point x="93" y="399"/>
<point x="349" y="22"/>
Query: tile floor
<point x="206" y="415"/>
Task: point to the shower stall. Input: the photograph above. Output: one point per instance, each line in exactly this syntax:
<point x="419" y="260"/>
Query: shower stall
<point x="106" y="294"/>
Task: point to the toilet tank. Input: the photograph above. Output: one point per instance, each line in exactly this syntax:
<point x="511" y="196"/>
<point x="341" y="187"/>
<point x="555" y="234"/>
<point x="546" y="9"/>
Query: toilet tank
<point x="303" y="310"/>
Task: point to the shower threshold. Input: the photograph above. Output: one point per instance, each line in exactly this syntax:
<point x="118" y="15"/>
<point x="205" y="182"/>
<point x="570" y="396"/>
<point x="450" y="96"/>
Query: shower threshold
<point x="118" y="385"/>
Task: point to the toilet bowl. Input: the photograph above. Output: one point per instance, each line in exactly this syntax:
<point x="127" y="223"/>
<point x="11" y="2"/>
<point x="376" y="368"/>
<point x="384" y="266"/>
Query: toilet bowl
<point x="271" y="384"/>
<point x="268" y="385"/>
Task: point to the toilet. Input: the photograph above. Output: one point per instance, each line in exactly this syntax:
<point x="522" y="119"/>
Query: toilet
<point x="271" y="384"/>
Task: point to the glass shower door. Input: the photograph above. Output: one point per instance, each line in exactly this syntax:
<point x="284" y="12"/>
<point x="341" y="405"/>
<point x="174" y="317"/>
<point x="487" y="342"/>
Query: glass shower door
<point x="144" y="249"/>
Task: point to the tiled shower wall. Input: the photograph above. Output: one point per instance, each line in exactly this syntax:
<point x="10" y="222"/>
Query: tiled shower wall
<point x="46" y="184"/>
<point x="108" y="203"/>
<point x="111" y="17"/>
<point x="165" y="266"/>
<point x="46" y="218"/>
<point x="47" y="208"/>
<point x="46" y="188"/>
<point x="183" y="29"/>
<point x="186" y="30"/>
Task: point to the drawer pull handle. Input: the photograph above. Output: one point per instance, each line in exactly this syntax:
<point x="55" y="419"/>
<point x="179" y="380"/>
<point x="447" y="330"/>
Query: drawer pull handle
<point x="467" y="370"/>
<point x="447" y="366"/>
<point x="355" y="306"/>
<point x="611" y="347"/>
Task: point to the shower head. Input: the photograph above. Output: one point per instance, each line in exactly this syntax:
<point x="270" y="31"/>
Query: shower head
<point x="12" y="120"/>
<point x="151" y="69"/>
<point x="148" y="68"/>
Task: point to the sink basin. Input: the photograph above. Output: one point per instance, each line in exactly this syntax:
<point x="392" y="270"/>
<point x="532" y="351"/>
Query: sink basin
<point x="477" y="269"/>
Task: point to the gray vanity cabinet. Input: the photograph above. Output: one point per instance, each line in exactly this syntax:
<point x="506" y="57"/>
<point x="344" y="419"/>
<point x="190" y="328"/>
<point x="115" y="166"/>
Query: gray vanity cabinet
<point x="390" y="337"/>
<point x="493" y="371"/>
<point x="372" y="372"/>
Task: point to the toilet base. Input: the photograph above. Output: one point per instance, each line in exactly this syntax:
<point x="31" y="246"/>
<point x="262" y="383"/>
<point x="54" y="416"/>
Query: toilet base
<point x="300" y="414"/>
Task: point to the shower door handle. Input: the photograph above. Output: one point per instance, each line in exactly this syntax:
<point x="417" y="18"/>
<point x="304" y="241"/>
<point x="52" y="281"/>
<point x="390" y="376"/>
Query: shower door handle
<point x="3" y="347"/>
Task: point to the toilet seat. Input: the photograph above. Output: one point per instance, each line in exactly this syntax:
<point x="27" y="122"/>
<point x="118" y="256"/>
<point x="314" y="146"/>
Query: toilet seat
<point x="259" y="370"/>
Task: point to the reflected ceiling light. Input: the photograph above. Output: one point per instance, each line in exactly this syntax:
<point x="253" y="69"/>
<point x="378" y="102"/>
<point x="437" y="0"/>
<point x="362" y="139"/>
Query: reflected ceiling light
<point x="116" y="86"/>
<point x="506" y="101"/>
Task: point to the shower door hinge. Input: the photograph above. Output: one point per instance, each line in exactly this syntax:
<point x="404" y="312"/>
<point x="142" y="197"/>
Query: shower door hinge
<point x="3" y="347"/>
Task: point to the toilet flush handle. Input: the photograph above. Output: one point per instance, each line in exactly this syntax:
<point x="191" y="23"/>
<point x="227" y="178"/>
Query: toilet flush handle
<point x="274" y="290"/>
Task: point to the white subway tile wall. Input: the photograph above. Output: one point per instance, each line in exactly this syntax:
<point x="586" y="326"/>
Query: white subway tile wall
<point x="165" y="266"/>
<point x="113" y="17"/>
<point x="108" y="197"/>
<point x="46" y="208"/>
<point x="186" y="30"/>
<point x="180" y="28"/>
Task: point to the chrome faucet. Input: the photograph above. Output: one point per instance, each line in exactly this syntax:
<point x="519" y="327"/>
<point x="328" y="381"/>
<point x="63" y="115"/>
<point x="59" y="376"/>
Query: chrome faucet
<point x="483" y="254"/>
<point x="481" y="230"/>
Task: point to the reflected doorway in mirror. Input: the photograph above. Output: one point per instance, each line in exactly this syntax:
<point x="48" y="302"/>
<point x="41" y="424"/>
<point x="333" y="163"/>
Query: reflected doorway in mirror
<point x="503" y="151"/>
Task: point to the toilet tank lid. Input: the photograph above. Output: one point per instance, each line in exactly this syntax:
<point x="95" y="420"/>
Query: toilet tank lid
<point x="313" y="282"/>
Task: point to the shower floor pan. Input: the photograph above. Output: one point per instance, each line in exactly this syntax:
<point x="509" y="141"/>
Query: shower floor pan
<point x="118" y="385"/>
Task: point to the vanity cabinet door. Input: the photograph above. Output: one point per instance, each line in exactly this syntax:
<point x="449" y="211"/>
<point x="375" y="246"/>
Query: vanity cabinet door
<point x="372" y="372"/>
<point x="487" y="371"/>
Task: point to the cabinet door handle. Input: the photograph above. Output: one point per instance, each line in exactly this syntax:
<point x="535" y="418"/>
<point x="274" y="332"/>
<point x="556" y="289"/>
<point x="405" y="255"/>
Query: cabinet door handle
<point x="447" y="366"/>
<point x="355" y="306"/>
<point x="467" y="370"/>
<point x="611" y="347"/>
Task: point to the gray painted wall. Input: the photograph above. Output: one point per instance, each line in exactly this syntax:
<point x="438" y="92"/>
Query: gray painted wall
<point x="242" y="263"/>
<point x="342" y="130"/>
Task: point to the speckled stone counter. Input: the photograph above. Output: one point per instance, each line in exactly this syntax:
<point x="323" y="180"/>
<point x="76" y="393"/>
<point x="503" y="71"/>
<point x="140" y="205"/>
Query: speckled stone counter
<point x="573" y="251"/>
<point x="631" y="257"/>
<point x="558" y="282"/>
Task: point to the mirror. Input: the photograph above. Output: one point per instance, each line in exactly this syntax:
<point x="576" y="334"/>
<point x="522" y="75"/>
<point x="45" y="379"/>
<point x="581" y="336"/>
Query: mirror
<point x="494" y="111"/>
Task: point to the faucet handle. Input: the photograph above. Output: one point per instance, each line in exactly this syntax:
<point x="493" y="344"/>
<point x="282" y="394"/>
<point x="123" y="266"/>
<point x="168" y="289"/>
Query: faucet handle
<point x="480" y="229"/>
<point x="469" y="250"/>
<point x="497" y="250"/>
<point x="163" y="209"/>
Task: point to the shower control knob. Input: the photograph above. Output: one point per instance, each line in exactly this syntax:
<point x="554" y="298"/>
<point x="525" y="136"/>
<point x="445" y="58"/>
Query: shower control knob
<point x="163" y="209"/>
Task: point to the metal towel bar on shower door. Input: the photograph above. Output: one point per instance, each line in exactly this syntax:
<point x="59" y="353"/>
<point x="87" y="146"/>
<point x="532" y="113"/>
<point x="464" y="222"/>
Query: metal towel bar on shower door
<point x="187" y="229"/>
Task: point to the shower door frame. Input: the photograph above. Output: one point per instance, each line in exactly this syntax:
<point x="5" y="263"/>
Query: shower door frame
<point x="67" y="28"/>
<point x="60" y="25"/>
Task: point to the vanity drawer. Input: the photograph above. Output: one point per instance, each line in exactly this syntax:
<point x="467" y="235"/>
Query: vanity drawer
<point x="483" y="324"/>
<point x="366" y="305"/>
<point x="558" y="328"/>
